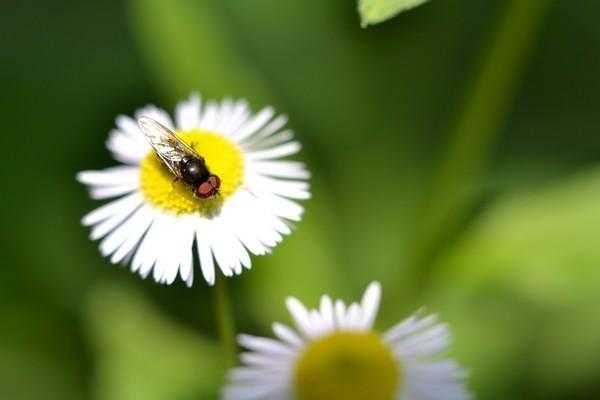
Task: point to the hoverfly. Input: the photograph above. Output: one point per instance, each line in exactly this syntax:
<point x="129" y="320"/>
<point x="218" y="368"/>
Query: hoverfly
<point x="183" y="161"/>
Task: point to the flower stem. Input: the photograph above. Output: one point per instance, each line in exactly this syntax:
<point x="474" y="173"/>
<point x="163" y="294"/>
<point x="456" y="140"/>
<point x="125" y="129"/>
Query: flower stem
<point x="473" y="133"/>
<point x="225" y="322"/>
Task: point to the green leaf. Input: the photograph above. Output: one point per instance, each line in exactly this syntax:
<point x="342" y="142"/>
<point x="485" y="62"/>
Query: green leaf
<point x="474" y="133"/>
<point x="375" y="11"/>
<point x="529" y="269"/>
<point x="143" y="355"/>
<point x="542" y="244"/>
<point x="188" y="46"/>
<point x="39" y="354"/>
<point x="567" y="349"/>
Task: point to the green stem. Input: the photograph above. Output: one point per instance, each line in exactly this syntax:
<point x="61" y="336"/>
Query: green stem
<point x="480" y="117"/>
<point x="225" y="322"/>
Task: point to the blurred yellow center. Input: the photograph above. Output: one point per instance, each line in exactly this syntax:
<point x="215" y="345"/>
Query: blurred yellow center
<point x="347" y="366"/>
<point x="223" y="158"/>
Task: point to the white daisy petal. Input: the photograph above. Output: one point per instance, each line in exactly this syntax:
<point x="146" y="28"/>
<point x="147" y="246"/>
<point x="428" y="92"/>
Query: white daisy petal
<point x="156" y="114"/>
<point x="443" y="371"/>
<point x="186" y="243"/>
<point x="205" y="255"/>
<point x="187" y="258"/>
<point x="265" y="345"/>
<point x="187" y="113"/>
<point x="327" y="313"/>
<point x="286" y="188"/>
<point x="340" y="314"/>
<point x="190" y="279"/>
<point x="129" y="128"/>
<point x="220" y="245"/>
<point x="254" y="144"/>
<point x="354" y="317"/>
<point x="431" y="341"/>
<point x="435" y="380"/>
<point x="146" y="254"/>
<point x="280" y="151"/>
<point x="239" y="115"/>
<point x="144" y="245"/>
<point x="153" y="244"/>
<point x="126" y="149"/>
<point x="272" y="127"/>
<point x="114" y="176"/>
<point x="134" y="226"/>
<point x="237" y="248"/>
<point x="238" y="255"/>
<point x="209" y="117"/>
<point x="254" y="374"/>
<point x="281" y="206"/>
<point x="109" y="209"/>
<point x="370" y="304"/>
<point x="242" y="224"/>
<point x="254" y="222"/>
<point x="143" y="222"/>
<point x="318" y="326"/>
<point x="263" y="360"/>
<point x="287" y="335"/>
<point x="254" y="392"/>
<point x="409" y="327"/>
<point x="300" y="315"/>
<point x="224" y="115"/>
<point x="179" y="249"/>
<point x="167" y="260"/>
<point x="282" y="169"/>
<point x="105" y="192"/>
<point x="254" y="124"/>
<point x="107" y="225"/>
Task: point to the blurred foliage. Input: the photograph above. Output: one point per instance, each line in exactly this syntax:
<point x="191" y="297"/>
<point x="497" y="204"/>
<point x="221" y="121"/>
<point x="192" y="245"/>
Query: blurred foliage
<point x="539" y="243"/>
<point x="539" y="246"/>
<point x="168" y="33"/>
<point x="375" y="11"/>
<point x="472" y="137"/>
<point x="515" y="276"/>
<point x="161" y="361"/>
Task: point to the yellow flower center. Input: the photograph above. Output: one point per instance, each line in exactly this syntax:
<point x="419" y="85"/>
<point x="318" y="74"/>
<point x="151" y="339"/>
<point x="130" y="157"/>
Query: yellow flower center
<point x="347" y="366"/>
<point x="223" y="158"/>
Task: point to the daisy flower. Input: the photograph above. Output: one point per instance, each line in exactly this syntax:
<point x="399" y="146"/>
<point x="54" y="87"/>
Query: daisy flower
<point x="335" y="354"/>
<point x="155" y="222"/>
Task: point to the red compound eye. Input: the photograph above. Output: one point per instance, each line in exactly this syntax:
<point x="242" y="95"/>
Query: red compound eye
<point x="209" y="188"/>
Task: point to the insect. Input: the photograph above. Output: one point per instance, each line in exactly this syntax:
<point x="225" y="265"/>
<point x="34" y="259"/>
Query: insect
<point x="183" y="161"/>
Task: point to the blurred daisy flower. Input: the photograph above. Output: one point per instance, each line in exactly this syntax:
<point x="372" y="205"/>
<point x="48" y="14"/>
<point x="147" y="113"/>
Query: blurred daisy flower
<point x="156" y="223"/>
<point x="336" y="355"/>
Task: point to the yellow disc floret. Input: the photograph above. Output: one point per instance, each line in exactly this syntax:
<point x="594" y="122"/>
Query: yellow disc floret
<point x="347" y="366"/>
<point x="223" y="158"/>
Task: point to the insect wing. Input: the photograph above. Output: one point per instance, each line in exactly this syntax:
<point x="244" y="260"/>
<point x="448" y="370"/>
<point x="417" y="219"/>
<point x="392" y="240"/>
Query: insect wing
<point x="169" y="148"/>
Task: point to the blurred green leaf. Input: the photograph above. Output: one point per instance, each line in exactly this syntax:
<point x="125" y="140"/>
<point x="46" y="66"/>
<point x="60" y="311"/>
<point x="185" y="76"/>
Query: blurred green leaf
<point x="38" y="354"/>
<point x="540" y="247"/>
<point x="567" y="350"/>
<point x="467" y="154"/>
<point x="375" y="11"/>
<point x="490" y="338"/>
<point x="143" y="355"/>
<point x="188" y="46"/>
<point x="542" y="244"/>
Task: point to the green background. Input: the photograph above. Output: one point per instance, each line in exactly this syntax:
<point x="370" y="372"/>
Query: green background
<point x="455" y="156"/>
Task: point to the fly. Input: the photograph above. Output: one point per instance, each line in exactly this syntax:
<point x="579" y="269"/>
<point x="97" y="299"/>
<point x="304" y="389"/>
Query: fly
<point x="183" y="161"/>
